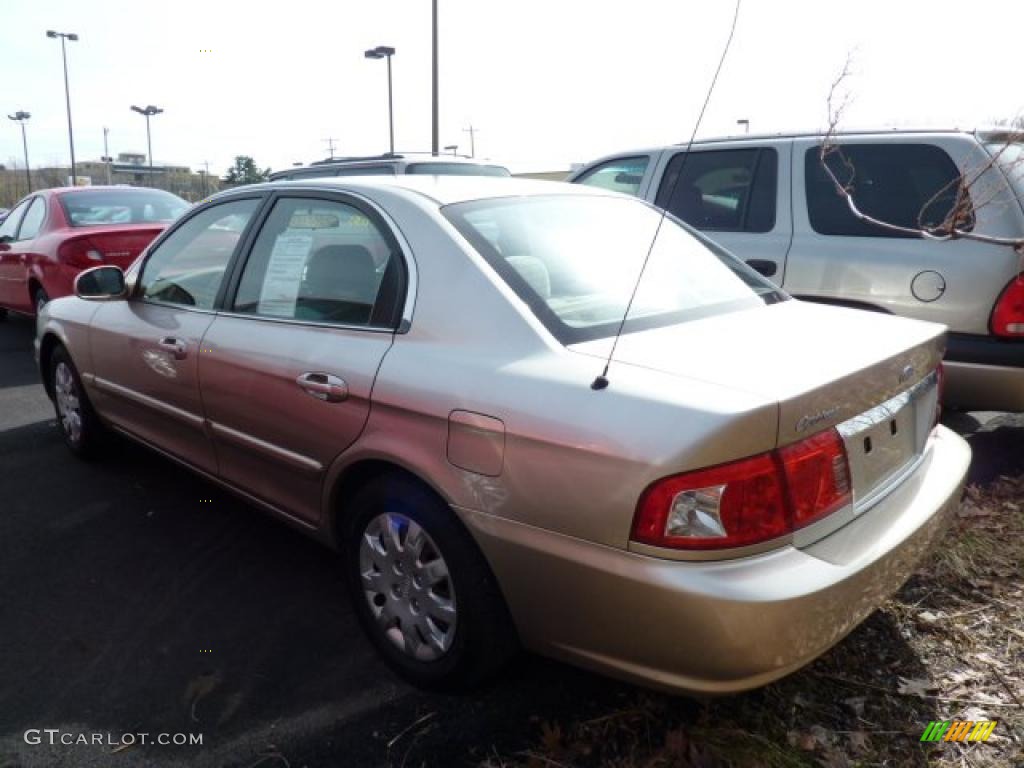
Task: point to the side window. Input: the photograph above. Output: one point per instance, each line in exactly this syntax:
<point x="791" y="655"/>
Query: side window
<point x="621" y="175"/>
<point x="728" y="190"/>
<point x="10" y="226"/>
<point x="33" y="219"/>
<point x="322" y="261"/>
<point x="904" y="184"/>
<point x="187" y="267"/>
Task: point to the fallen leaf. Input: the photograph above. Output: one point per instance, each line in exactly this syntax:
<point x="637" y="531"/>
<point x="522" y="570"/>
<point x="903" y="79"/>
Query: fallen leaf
<point x="915" y="687"/>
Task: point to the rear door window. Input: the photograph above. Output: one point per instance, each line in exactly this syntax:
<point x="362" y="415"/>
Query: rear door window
<point x="322" y="261"/>
<point x="728" y="190"/>
<point x="623" y="174"/>
<point x="910" y="185"/>
<point x="33" y="220"/>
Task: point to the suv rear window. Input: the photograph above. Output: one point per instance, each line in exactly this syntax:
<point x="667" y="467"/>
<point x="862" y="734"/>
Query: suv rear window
<point x="903" y="184"/>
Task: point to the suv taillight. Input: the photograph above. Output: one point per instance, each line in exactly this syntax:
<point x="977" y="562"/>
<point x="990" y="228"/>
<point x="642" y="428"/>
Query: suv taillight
<point x="748" y="501"/>
<point x="1008" y="314"/>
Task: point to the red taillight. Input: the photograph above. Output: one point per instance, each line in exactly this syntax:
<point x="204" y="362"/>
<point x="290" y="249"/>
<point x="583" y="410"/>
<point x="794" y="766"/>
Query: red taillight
<point x="80" y="252"/>
<point x="748" y="501"/>
<point x="817" y="477"/>
<point x="1008" y="314"/>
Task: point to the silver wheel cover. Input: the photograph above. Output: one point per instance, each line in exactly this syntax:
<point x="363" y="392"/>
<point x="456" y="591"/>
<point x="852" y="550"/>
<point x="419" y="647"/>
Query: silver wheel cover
<point x="407" y="586"/>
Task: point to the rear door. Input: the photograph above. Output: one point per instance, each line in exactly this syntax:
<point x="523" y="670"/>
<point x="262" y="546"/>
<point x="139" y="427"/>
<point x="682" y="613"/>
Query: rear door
<point x="146" y="350"/>
<point x="837" y="257"/>
<point x="289" y="365"/>
<point x="738" y="194"/>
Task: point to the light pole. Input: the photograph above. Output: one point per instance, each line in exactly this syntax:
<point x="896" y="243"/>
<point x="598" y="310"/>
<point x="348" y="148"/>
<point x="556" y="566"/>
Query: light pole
<point x="67" y="94"/>
<point x="20" y="118"/>
<point x="745" y="123"/>
<point x="386" y="52"/>
<point x="148" y="112"/>
<point x="107" y="159"/>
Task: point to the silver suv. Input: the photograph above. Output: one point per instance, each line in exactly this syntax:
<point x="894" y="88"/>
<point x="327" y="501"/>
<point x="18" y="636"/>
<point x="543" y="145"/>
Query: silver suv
<point x="769" y="201"/>
<point x="391" y="165"/>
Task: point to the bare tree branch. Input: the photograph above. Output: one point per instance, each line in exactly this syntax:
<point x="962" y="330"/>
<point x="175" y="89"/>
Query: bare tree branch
<point x="959" y="222"/>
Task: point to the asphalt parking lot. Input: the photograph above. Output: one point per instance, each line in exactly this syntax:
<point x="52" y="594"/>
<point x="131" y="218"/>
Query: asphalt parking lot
<point x="137" y="598"/>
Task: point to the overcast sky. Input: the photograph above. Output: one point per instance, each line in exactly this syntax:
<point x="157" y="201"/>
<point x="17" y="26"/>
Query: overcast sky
<point x="547" y="82"/>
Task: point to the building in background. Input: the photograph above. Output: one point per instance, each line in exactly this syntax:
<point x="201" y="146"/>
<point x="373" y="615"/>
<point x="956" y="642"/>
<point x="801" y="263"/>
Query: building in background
<point x="127" y="168"/>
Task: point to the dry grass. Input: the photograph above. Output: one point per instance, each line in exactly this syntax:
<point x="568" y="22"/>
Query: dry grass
<point x="949" y="646"/>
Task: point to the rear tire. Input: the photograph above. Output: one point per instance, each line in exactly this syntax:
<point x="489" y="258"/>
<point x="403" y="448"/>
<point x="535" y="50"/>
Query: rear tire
<point x="422" y="589"/>
<point x="78" y="423"/>
<point x="40" y="299"/>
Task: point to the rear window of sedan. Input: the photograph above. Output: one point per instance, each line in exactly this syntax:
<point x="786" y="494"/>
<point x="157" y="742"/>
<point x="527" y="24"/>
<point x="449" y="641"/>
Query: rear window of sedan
<point x="91" y="208"/>
<point x="574" y="260"/>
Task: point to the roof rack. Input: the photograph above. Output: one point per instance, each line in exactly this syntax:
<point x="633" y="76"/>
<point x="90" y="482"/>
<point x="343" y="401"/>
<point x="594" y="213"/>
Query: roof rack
<point x="331" y="160"/>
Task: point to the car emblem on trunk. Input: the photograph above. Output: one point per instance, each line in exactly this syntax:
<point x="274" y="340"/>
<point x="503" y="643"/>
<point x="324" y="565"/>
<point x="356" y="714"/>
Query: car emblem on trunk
<point x="906" y="374"/>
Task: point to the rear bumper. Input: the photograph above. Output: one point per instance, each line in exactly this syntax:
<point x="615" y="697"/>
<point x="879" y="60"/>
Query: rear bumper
<point x="984" y="373"/>
<point x="727" y="626"/>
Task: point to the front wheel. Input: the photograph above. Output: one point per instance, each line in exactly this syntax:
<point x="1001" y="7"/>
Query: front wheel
<point x="422" y="590"/>
<point x="80" y="427"/>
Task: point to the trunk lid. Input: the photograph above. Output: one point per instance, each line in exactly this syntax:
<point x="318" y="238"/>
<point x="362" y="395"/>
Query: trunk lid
<point x="117" y="246"/>
<point x="870" y="375"/>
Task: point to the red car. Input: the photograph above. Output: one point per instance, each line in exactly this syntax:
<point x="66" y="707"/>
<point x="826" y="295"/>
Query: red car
<point x="53" y="234"/>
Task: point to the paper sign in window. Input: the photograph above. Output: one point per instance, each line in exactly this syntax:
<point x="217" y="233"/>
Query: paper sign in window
<point x="284" y="274"/>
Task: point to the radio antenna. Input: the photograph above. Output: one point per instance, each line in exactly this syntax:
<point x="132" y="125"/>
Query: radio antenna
<point x="601" y="382"/>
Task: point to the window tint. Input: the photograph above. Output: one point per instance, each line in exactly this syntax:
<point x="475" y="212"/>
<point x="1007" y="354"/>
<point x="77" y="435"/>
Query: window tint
<point x="895" y="183"/>
<point x="89" y="208"/>
<point x="731" y="190"/>
<point x="620" y="175"/>
<point x="578" y="278"/>
<point x="322" y="261"/>
<point x="188" y="266"/>
<point x="10" y="225"/>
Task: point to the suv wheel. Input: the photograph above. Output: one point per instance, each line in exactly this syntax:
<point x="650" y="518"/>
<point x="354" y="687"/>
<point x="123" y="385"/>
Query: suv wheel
<point x="76" y="419"/>
<point x="422" y="590"/>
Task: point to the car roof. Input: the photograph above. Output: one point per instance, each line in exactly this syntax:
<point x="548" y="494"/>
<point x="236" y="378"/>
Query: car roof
<point x="443" y="190"/>
<point x="981" y="132"/>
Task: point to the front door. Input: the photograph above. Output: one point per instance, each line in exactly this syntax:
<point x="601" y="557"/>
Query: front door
<point x="12" y="262"/>
<point x="146" y="350"/>
<point x="288" y="368"/>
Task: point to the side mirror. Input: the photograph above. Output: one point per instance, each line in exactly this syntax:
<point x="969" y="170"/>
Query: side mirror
<point x="101" y="284"/>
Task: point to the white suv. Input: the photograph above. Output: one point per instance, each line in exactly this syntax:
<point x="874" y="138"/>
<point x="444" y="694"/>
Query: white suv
<point x="769" y="201"/>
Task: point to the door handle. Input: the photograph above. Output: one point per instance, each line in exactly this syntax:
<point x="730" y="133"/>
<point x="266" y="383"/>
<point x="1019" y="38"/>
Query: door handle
<point x="323" y="386"/>
<point x="764" y="266"/>
<point x="176" y="347"/>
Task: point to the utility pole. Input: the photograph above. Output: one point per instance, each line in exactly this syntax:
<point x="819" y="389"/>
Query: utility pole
<point x="330" y="146"/>
<point x="434" y="140"/>
<point x="472" y="135"/>
<point x="106" y="153"/>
